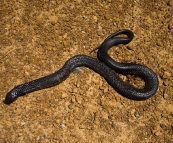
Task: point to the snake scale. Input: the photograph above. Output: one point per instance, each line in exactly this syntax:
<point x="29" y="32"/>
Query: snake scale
<point x="104" y="65"/>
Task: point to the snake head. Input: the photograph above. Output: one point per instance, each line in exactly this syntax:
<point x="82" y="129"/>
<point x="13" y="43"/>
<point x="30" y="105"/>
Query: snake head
<point x="13" y="94"/>
<point x="10" y="97"/>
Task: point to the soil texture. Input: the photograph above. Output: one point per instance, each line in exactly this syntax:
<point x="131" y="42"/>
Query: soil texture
<point x="37" y="37"/>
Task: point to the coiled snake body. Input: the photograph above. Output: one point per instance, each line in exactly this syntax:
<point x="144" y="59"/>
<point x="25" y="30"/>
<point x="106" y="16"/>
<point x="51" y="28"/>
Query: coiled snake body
<point x="104" y="66"/>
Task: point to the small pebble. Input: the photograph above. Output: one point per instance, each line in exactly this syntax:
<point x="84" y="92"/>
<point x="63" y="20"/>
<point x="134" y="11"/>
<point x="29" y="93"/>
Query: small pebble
<point x="162" y="125"/>
<point x="170" y="26"/>
<point x="157" y="133"/>
<point x="57" y="121"/>
<point x="62" y="126"/>
<point x="136" y="114"/>
<point x="165" y="96"/>
<point x="105" y="90"/>
<point x="17" y="38"/>
<point x="53" y="19"/>
<point x="159" y="43"/>
<point x="79" y="99"/>
<point x="169" y="108"/>
<point x="146" y="133"/>
<point x="166" y="83"/>
<point x="73" y="99"/>
<point x="20" y="134"/>
<point x="71" y="106"/>
<point x="74" y="89"/>
<point x="99" y="27"/>
<point x="22" y="123"/>
<point x="154" y="131"/>
<point x="170" y="3"/>
<point x="166" y="75"/>
<point x="64" y="95"/>
<point x="8" y="26"/>
<point x="107" y="16"/>
<point x="95" y="18"/>
<point x="78" y="70"/>
<point x="130" y="48"/>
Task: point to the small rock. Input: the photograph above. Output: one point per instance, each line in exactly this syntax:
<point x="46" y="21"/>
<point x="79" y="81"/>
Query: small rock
<point x="71" y="106"/>
<point x="64" y="95"/>
<point x="162" y="52"/>
<point x="169" y="108"/>
<point x="99" y="27"/>
<point x="136" y="114"/>
<point x="95" y="18"/>
<point x="138" y="32"/>
<point x="78" y="85"/>
<point x="45" y="110"/>
<point x="159" y="43"/>
<point x="165" y="96"/>
<point x="65" y="35"/>
<point x="105" y="89"/>
<point x="17" y="38"/>
<point x="22" y="123"/>
<point x="8" y="26"/>
<point x="78" y="70"/>
<point x="163" y="126"/>
<point x="170" y="26"/>
<point x="20" y="134"/>
<point x="27" y="73"/>
<point x="170" y="60"/>
<point x="166" y="75"/>
<point x="82" y="126"/>
<point x="57" y="121"/>
<point x="74" y="89"/>
<point x="79" y="99"/>
<point x="73" y="99"/>
<point x="148" y="19"/>
<point x="154" y="131"/>
<point x="166" y="83"/>
<point x="62" y="126"/>
<point x="21" y="1"/>
<point x="107" y="16"/>
<point x="170" y="3"/>
<point x="157" y="133"/>
<point x="53" y="19"/>
<point x="130" y="48"/>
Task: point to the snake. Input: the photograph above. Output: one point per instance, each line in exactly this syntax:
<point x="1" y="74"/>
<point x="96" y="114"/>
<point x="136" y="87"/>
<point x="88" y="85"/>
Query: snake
<point x="104" y="65"/>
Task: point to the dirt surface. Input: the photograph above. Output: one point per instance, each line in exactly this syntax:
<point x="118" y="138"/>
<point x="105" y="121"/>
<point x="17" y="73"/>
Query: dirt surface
<point x="38" y="37"/>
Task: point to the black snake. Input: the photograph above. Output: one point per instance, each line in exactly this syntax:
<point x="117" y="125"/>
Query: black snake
<point x="104" y="66"/>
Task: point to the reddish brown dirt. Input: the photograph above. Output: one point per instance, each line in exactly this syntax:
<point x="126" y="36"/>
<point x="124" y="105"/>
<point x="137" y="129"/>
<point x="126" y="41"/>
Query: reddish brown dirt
<point x="36" y="39"/>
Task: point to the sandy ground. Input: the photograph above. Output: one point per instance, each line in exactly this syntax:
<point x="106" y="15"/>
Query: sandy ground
<point x="38" y="37"/>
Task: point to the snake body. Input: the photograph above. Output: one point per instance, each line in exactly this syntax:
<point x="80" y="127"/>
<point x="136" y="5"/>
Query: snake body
<point x="104" y="65"/>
